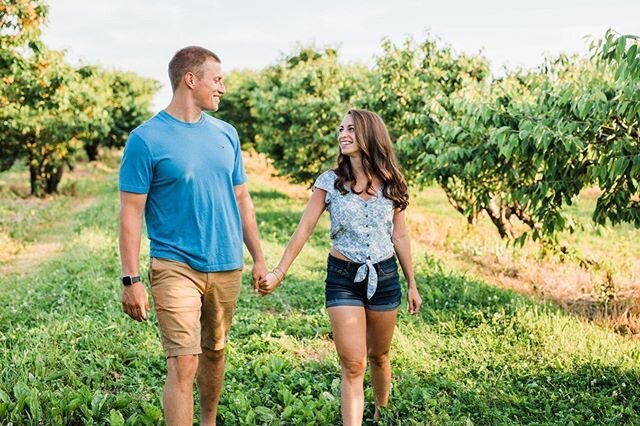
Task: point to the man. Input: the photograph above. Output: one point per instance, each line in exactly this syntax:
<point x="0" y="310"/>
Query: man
<point x="183" y="169"/>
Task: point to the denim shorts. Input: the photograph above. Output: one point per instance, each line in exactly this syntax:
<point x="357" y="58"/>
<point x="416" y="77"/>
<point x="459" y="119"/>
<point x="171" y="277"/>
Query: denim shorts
<point x="341" y="290"/>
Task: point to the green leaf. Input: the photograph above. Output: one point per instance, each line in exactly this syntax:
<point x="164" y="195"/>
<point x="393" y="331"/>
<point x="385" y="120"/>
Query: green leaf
<point x="632" y="54"/>
<point x="116" y="418"/>
<point x="265" y="414"/>
<point x="620" y="48"/>
<point x="20" y="392"/>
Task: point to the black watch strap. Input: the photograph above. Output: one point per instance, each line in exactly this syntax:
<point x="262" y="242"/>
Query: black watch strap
<point x="127" y="280"/>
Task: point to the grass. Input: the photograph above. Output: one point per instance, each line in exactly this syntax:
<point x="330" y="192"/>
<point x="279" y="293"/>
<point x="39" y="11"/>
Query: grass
<point x="475" y="355"/>
<point x="596" y="275"/>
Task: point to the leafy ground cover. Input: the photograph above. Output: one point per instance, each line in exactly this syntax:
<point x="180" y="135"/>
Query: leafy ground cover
<point x="476" y="354"/>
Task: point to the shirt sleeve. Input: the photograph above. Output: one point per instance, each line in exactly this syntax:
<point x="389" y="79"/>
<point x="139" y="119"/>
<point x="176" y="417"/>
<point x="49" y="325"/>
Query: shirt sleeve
<point x="326" y="182"/>
<point x="136" y="167"/>
<point x="239" y="175"/>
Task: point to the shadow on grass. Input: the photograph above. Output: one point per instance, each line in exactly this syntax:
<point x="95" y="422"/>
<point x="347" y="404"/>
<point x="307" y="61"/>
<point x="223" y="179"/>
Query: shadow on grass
<point x="263" y="195"/>
<point x="278" y="226"/>
<point x="584" y="394"/>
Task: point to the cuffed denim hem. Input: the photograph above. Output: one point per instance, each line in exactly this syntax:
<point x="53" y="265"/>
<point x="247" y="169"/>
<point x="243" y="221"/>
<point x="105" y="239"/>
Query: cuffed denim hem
<point x="382" y="308"/>
<point x="343" y="302"/>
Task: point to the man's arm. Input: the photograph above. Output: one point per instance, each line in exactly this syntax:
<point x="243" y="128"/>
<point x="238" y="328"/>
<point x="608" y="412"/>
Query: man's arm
<point x="250" y="232"/>
<point x="135" y="301"/>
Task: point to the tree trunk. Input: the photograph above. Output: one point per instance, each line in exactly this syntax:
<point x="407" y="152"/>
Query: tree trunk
<point x="34" y="174"/>
<point x="92" y="151"/>
<point x="521" y="214"/>
<point x="499" y="219"/>
<point x="53" y="180"/>
<point x="472" y="219"/>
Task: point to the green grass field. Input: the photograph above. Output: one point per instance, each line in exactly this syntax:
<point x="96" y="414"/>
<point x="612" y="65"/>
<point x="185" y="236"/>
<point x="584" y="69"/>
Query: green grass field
<point x="475" y="355"/>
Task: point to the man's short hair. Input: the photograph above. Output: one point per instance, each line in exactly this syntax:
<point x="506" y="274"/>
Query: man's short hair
<point x="187" y="59"/>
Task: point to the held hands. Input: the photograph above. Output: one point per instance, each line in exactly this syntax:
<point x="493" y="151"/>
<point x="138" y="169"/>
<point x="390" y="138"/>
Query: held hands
<point x="271" y="281"/>
<point x="258" y="273"/>
<point x="414" y="301"/>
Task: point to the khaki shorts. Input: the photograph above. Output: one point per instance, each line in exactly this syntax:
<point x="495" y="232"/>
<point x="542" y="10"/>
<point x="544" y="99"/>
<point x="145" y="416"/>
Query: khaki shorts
<point x="194" y="308"/>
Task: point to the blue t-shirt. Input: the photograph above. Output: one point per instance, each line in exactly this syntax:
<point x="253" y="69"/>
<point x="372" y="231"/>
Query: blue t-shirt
<point x="188" y="171"/>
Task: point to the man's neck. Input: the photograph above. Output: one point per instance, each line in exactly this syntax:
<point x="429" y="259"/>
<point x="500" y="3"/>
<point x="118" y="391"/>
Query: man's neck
<point x="184" y="111"/>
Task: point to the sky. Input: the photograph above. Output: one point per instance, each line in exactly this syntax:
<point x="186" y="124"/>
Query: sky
<point x="142" y="35"/>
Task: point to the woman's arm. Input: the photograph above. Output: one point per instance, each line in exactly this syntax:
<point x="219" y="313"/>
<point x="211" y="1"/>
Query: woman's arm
<point x="313" y="210"/>
<point x="402" y="246"/>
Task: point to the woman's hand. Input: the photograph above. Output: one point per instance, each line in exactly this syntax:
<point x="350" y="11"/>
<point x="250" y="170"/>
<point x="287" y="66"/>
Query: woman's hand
<point x="270" y="282"/>
<point x="414" y="301"/>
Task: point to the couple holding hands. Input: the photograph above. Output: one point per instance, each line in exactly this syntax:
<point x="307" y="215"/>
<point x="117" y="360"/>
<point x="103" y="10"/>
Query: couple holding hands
<point x="183" y="170"/>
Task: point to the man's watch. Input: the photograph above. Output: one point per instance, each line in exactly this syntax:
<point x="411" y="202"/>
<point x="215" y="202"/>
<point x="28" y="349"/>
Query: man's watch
<point x="127" y="280"/>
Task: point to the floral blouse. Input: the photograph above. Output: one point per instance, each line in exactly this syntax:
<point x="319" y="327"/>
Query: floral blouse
<point x="360" y="229"/>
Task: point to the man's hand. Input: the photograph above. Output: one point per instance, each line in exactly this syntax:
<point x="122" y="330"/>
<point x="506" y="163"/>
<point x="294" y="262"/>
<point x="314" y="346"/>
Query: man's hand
<point x="269" y="283"/>
<point x="135" y="301"/>
<point x="258" y="272"/>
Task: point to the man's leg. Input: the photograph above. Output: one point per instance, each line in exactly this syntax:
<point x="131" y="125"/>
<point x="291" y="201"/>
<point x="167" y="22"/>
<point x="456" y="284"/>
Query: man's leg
<point x="218" y="305"/>
<point x="177" y="291"/>
<point x="178" y="390"/>
<point x="210" y="381"/>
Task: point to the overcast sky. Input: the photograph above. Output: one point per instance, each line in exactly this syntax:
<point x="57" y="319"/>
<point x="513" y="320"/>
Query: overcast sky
<point x="142" y="35"/>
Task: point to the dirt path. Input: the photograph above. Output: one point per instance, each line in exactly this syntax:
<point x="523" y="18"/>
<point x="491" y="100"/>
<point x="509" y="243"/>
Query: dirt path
<point x="51" y="242"/>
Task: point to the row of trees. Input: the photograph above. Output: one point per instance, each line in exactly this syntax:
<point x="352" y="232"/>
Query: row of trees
<point x="518" y="148"/>
<point x="49" y="110"/>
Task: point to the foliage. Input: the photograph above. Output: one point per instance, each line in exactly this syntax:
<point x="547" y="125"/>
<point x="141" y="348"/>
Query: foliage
<point x="298" y="106"/>
<point x="617" y="168"/>
<point x="238" y="107"/>
<point x="410" y="89"/>
<point x="38" y="120"/>
<point x="124" y="100"/>
<point x="20" y="22"/>
<point x="526" y="145"/>
<point x="48" y="110"/>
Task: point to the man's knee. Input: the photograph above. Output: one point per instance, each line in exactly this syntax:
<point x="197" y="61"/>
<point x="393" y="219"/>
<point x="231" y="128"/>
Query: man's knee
<point x="213" y="355"/>
<point x="211" y="361"/>
<point x="182" y="368"/>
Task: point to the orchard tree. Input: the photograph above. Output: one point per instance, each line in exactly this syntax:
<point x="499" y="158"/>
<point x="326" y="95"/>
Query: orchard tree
<point x="47" y="108"/>
<point x="238" y="104"/>
<point x="411" y="88"/>
<point x="513" y="151"/>
<point x="524" y="147"/>
<point x="617" y="165"/>
<point x="299" y="104"/>
<point x="20" y="22"/>
<point x="36" y="118"/>
<point x="39" y="120"/>
<point x="121" y="101"/>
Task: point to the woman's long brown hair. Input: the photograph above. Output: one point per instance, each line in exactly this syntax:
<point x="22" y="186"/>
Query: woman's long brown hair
<point x="378" y="160"/>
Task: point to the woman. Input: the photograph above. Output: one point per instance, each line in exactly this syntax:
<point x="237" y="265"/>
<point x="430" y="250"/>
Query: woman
<point x="366" y="196"/>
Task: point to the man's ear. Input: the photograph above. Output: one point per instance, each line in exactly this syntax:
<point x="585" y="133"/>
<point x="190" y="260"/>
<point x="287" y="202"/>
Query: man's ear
<point x="190" y="79"/>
